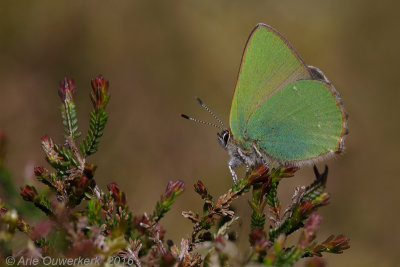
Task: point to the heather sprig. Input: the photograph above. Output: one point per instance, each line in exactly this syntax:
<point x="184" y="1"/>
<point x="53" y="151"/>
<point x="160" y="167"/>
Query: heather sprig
<point x="79" y="219"/>
<point x="304" y="202"/>
<point x="29" y="193"/>
<point x="98" y="117"/>
<point x="67" y="91"/>
<point x="173" y="190"/>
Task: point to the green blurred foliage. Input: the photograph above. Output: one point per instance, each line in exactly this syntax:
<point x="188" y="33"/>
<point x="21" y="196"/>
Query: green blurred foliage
<point x="159" y="55"/>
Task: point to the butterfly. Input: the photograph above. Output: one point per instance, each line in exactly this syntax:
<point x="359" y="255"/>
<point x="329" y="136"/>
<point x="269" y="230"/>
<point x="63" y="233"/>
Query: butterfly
<point x="283" y="111"/>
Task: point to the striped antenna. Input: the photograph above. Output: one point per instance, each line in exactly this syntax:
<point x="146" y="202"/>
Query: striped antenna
<point x="209" y="110"/>
<point x="200" y="121"/>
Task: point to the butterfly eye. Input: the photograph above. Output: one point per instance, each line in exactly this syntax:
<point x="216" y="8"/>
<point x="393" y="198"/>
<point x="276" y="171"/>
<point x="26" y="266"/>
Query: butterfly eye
<point x="223" y="138"/>
<point x="226" y="137"/>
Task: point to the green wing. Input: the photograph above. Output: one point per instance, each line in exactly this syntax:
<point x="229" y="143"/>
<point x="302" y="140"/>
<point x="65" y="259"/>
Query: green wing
<point x="302" y="121"/>
<point x="269" y="64"/>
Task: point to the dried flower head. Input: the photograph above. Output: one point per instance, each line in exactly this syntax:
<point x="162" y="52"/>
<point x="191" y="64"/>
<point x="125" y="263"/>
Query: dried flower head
<point x="141" y="223"/>
<point x="48" y="147"/>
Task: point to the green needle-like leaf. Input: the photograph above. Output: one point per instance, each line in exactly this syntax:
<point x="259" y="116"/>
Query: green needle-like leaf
<point x="98" y="120"/>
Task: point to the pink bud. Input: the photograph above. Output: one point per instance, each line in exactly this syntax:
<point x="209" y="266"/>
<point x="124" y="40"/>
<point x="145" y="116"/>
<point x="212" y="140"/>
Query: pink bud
<point x="67" y="89"/>
<point x="99" y="94"/>
<point x="117" y="194"/>
<point x="174" y="187"/>
<point x="29" y="193"/>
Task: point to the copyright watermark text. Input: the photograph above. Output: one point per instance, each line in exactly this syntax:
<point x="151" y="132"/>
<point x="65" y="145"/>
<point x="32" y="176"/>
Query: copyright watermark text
<point x="49" y="261"/>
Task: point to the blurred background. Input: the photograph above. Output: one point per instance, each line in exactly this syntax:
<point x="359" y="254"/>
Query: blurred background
<point x="160" y="55"/>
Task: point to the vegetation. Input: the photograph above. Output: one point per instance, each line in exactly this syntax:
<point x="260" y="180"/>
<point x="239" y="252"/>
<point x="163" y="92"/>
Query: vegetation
<point x="84" y="222"/>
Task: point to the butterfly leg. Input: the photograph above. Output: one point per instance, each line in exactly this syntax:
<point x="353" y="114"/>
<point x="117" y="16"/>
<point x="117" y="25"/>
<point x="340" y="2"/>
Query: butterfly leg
<point x="233" y="163"/>
<point x="264" y="161"/>
<point x="234" y="175"/>
<point x="245" y="159"/>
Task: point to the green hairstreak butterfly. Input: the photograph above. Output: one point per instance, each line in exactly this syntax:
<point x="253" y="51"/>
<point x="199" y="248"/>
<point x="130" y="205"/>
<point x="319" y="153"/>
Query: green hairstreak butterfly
<point x="283" y="111"/>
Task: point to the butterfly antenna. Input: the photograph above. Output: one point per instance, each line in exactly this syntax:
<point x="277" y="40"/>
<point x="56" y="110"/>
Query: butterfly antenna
<point x="202" y="122"/>
<point x="209" y="110"/>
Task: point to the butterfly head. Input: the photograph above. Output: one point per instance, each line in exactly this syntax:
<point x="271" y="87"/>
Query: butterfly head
<point x="223" y="138"/>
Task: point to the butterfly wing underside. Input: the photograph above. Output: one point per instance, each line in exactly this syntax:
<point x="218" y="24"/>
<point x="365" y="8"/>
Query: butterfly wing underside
<point x="268" y="64"/>
<point x="277" y="106"/>
<point x="300" y="123"/>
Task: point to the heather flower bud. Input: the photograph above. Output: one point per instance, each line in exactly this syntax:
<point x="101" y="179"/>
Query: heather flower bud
<point x="67" y="89"/>
<point x="3" y="211"/>
<point x="139" y="222"/>
<point x="175" y="188"/>
<point x="201" y="189"/>
<point x="255" y="235"/>
<point x="81" y="184"/>
<point x="303" y="210"/>
<point x="48" y="148"/>
<point x="38" y="170"/>
<point x="259" y="241"/>
<point x="22" y="225"/>
<point x="260" y="174"/>
<point x="309" y="231"/>
<point x="29" y="193"/>
<point x="89" y="170"/>
<point x="306" y="208"/>
<point x="321" y="200"/>
<point x="117" y="194"/>
<point x="99" y="94"/>
<point x="287" y="172"/>
<point x="333" y="244"/>
<point x="339" y="243"/>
